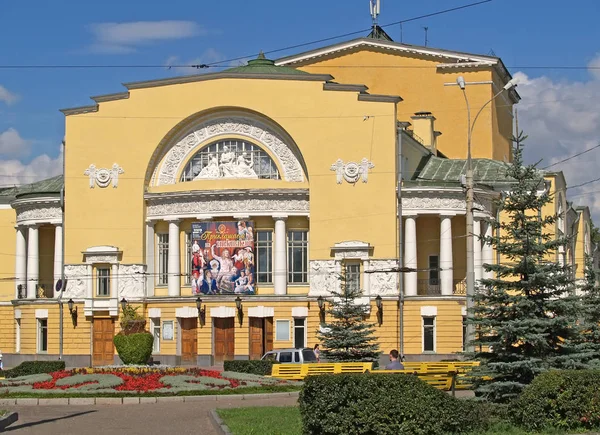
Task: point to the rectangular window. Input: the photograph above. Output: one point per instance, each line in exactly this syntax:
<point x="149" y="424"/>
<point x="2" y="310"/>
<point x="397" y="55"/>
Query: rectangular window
<point x="434" y="269"/>
<point x="299" y="333"/>
<point x="102" y="281"/>
<point x="352" y="276"/>
<point x="155" y="327"/>
<point x="428" y="334"/>
<point x="42" y="335"/>
<point x="282" y="330"/>
<point x="298" y="256"/>
<point x="163" y="259"/>
<point x="187" y="269"/>
<point x="167" y="330"/>
<point x="264" y="252"/>
<point x="464" y="332"/>
<point x="18" y="335"/>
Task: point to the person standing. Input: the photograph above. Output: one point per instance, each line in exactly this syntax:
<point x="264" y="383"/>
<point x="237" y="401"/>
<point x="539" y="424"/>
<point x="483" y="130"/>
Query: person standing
<point x="317" y="352"/>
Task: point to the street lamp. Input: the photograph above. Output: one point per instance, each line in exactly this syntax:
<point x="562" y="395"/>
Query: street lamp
<point x="123" y="304"/>
<point x="469" y="186"/>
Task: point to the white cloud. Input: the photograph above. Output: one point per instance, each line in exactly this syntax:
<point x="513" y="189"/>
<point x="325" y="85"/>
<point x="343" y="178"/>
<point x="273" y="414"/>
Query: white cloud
<point x="210" y="55"/>
<point x="7" y="96"/>
<point x="562" y="118"/>
<point x="12" y="144"/>
<point x="120" y="38"/>
<point x="14" y="172"/>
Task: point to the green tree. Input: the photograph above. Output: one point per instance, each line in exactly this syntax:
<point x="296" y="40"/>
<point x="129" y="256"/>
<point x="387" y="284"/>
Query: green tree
<point x="527" y="314"/>
<point x="348" y="336"/>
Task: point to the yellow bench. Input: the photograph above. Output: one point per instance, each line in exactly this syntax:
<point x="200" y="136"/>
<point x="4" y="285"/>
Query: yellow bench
<point x="460" y="367"/>
<point x="442" y="380"/>
<point x="300" y="371"/>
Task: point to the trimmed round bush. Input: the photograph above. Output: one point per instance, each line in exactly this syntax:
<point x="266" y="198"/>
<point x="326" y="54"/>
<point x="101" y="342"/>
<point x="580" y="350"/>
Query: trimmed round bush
<point x="563" y="399"/>
<point x="134" y="348"/>
<point x="383" y="404"/>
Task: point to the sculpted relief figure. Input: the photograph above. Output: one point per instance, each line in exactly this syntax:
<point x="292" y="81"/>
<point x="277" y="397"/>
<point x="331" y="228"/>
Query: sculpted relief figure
<point x="229" y="166"/>
<point x="227" y="163"/>
<point x="211" y="170"/>
<point x="245" y="167"/>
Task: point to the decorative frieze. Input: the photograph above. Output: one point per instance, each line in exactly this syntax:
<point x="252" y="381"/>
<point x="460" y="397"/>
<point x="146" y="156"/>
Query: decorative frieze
<point x="131" y="280"/>
<point x="440" y="201"/>
<point x="383" y="279"/>
<point x="38" y="212"/>
<point x="323" y="277"/>
<point x="76" y="276"/>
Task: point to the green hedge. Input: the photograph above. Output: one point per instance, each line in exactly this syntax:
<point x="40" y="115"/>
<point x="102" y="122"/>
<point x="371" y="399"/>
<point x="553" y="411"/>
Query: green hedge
<point x="134" y="348"/>
<point x="34" y="368"/>
<point x="255" y="367"/>
<point x="384" y="404"/>
<point x="563" y="399"/>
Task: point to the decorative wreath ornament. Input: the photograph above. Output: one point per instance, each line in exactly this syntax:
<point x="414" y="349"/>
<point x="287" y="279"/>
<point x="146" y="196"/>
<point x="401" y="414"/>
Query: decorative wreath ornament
<point x="352" y="171"/>
<point x="102" y="176"/>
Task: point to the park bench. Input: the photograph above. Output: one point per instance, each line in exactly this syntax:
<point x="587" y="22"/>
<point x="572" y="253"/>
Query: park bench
<point x="300" y="371"/>
<point x="460" y="367"/>
<point x="442" y="380"/>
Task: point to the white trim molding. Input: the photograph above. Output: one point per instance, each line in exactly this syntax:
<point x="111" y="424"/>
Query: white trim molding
<point x="428" y="311"/>
<point x="154" y="313"/>
<point x="18" y="314"/>
<point x="186" y="312"/>
<point x="222" y="312"/>
<point x="38" y="211"/>
<point x="41" y="314"/>
<point x="299" y="312"/>
<point x="261" y="311"/>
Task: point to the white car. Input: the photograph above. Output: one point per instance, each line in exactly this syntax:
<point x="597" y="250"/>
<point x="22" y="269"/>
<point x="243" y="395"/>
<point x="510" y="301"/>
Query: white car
<point x="291" y="356"/>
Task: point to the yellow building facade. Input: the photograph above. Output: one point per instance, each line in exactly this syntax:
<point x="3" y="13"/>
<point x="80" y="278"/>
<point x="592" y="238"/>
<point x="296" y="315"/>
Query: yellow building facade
<point x="225" y="205"/>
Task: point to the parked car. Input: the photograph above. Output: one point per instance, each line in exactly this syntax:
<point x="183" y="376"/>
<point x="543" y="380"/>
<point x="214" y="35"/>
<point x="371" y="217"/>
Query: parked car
<point x="291" y="356"/>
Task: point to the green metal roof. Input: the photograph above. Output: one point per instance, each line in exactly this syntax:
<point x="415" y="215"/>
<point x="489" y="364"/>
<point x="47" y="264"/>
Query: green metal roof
<point x="485" y="171"/>
<point x="50" y="186"/>
<point x="262" y="65"/>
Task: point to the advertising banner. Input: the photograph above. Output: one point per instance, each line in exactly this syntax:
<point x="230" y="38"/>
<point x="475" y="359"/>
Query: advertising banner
<point x="223" y="258"/>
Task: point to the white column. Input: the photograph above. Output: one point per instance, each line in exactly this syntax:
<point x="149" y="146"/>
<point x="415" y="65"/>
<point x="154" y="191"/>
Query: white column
<point x="58" y="250"/>
<point x="410" y="255"/>
<point x="114" y="280"/>
<point x="487" y="252"/>
<point x="366" y="278"/>
<point x="174" y="266"/>
<point x="21" y="262"/>
<point x="150" y="258"/>
<point x="446" y="273"/>
<point x="280" y="256"/>
<point x="90" y="282"/>
<point x="477" y="249"/>
<point x="33" y="261"/>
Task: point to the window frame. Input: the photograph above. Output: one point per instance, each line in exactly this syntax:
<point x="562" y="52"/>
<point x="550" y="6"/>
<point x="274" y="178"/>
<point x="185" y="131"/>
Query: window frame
<point x="162" y="259"/>
<point x="348" y="275"/>
<point x="165" y="323"/>
<point x="304" y="335"/>
<point x="100" y="278"/>
<point x="17" y="335"/>
<point x="259" y="246"/>
<point x="303" y="245"/>
<point x="41" y="339"/>
<point x="277" y="328"/>
<point x="154" y="324"/>
<point x="436" y="270"/>
<point x="433" y="328"/>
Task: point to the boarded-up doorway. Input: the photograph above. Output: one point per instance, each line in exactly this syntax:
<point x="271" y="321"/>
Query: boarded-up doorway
<point x="189" y="340"/>
<point x="102" y="344"/>
<point x="224" y="338"/>
<point x="261" y="336"/>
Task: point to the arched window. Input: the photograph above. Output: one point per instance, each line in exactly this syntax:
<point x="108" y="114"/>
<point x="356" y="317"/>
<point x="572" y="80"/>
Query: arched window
<point x="232" y="158"/>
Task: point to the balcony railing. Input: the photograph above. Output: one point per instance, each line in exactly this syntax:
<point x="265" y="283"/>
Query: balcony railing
<point x="430" y="287"/>
<point x="44" y="290"/>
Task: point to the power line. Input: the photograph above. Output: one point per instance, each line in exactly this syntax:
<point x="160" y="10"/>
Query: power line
<point x="585" y="183"/>
<point x="572" y="157"/>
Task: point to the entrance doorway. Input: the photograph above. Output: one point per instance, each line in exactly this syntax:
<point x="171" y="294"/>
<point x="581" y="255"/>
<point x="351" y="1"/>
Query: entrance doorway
<point x="189" y="340"/>
<point x="224" y="338"/>
<point x="102" y="343"/>
<point x="261" y="336"/>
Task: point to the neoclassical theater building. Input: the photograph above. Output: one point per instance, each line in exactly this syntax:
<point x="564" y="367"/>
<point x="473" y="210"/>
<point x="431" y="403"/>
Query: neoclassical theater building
<point x="225" y="206"/>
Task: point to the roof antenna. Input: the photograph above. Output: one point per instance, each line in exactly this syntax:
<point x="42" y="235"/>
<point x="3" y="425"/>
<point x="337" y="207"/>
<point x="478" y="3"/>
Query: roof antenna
<point x="375" y="8"/>
<point x="426" y="29"/>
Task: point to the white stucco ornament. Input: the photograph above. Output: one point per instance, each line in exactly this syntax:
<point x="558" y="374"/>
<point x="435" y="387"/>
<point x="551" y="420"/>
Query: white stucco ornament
<point x="352" y="171"/>
<point x="102" y="176"/>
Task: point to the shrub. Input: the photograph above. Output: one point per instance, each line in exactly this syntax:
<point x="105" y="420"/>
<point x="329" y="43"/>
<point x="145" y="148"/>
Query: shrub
<point x="132" y="322"/>
<point x="255" y="367"/>
<point x="383" y="404"/>
<point x="564" y="399"/>
<point x="34" y="368"/>
<point x="134" y="348"/>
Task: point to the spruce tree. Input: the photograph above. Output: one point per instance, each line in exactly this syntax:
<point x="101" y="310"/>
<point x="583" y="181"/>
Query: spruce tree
<point x="525" y="315"/>
<point x="348" y="336"/>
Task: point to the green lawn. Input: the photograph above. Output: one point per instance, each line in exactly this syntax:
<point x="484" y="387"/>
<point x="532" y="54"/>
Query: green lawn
<point x="286" y="420"/>
<point x="263" y="420"/>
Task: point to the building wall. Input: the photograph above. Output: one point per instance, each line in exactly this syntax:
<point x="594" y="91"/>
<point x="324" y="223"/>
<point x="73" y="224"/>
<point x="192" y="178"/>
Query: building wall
<point x="418" y="81"/>
<point x="7" y="253"/>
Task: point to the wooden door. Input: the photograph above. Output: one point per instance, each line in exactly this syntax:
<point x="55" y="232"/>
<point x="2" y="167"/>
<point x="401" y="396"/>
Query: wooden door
<point x="102" y="344"/>
<point x="268" y="334"/>
<point x="189" y="340"/>
<point x="257" y="337"/>
<point x="224" y="336"/>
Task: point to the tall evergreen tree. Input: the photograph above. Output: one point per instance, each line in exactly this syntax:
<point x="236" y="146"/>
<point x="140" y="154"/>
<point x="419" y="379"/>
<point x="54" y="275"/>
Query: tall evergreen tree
<point x="526" y="314"/>
<point x="348" y="336"/>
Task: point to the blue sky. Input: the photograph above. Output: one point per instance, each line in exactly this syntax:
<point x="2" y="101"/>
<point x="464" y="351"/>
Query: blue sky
<point x="132" y="32"/>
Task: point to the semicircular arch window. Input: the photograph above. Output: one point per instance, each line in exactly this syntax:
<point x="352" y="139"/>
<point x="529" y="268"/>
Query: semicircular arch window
<point x="231" y="158"/>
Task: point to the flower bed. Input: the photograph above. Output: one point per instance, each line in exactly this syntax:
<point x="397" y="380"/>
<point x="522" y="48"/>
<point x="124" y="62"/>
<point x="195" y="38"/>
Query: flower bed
<point x="135" y="380"/>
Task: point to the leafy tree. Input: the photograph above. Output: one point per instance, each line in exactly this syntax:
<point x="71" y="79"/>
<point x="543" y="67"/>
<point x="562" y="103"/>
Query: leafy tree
<point x="527" y="314"/>
<point x="348" y="336"/>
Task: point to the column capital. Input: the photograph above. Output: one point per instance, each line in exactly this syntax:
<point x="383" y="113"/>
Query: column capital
<point x="32" y="226"/>
<point x="447" y="215"/>
<point x="410" y="215"/>
<point x="173" y="220"/>
<point x="280" y="217"/>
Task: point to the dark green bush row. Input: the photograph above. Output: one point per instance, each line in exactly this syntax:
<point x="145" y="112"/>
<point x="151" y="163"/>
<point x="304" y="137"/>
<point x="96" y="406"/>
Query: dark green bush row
<point x="256" y="367"/>
<point x="384" y="404"/>
<point x="34" y="367"/>
<point x="134" y="348"/>
<point x="564" y="399"/>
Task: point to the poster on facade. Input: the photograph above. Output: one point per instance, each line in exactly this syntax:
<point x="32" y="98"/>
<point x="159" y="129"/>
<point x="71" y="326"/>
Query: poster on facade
<point x="223" y="258"/>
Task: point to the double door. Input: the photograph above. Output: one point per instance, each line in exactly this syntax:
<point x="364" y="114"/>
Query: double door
<point x="261" y="336"/>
